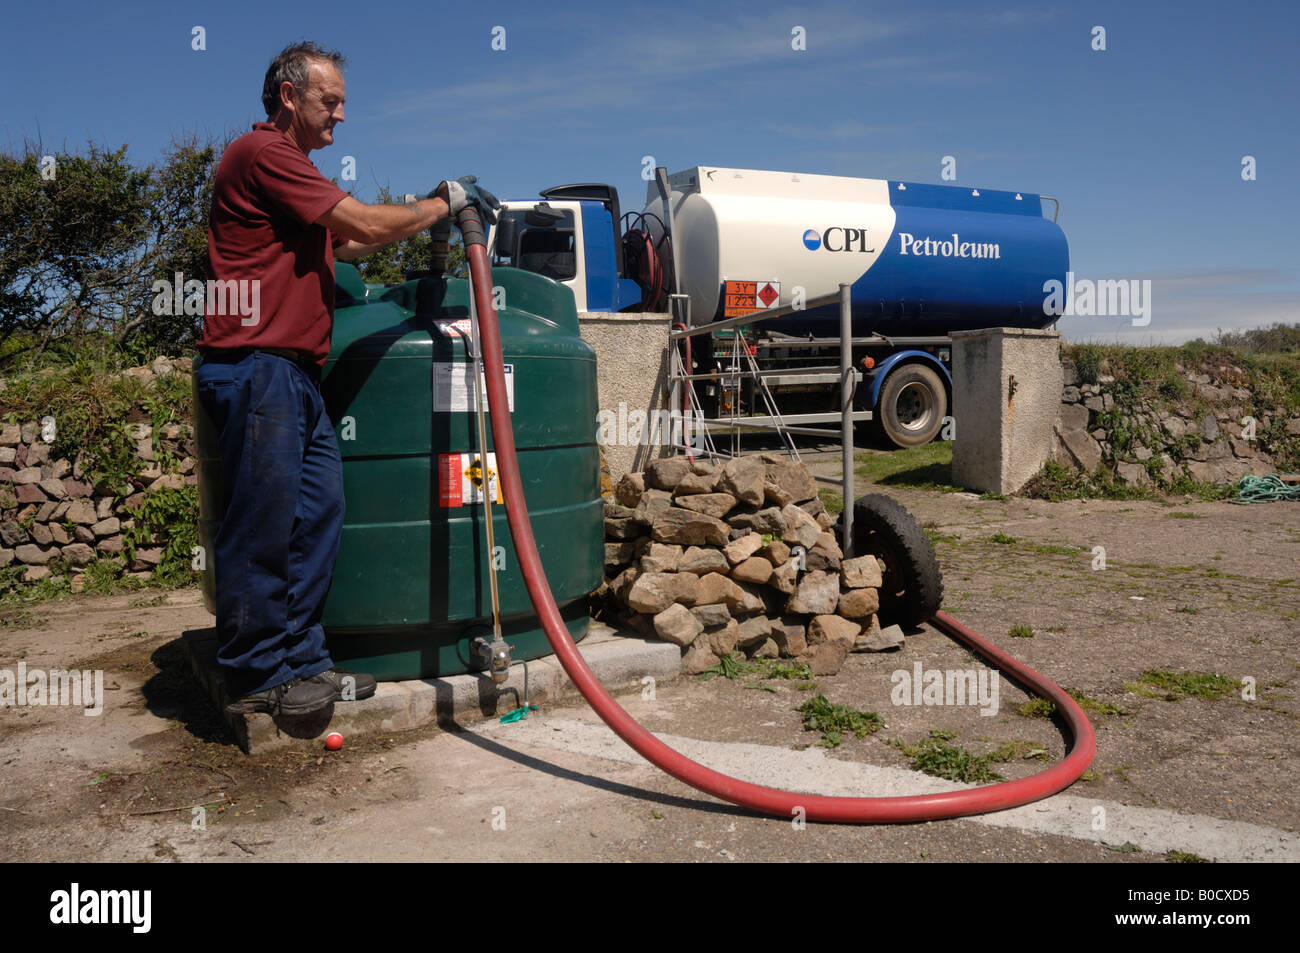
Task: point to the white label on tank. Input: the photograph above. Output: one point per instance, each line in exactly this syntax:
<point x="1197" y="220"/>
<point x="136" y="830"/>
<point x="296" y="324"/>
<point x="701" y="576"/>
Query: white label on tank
<point x="462" y="478"/>
<point x="453" y="387"/>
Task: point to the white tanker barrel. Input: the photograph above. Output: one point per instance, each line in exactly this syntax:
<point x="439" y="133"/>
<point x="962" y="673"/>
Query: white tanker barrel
<point x="922" y="259"/>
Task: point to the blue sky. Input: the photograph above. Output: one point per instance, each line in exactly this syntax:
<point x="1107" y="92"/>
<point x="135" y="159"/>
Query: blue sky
<point x="1142" y="143"/>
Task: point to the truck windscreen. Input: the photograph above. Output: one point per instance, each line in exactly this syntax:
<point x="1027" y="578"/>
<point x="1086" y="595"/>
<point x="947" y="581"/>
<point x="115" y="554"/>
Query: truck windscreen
<point x="544" y="249"/>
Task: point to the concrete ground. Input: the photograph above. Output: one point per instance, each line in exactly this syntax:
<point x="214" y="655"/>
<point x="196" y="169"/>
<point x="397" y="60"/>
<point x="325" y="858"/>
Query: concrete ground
<point x="1190" y="589"/>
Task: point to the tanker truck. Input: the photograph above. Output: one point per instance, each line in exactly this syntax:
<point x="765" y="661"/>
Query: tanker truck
<point x="922" y="261"/>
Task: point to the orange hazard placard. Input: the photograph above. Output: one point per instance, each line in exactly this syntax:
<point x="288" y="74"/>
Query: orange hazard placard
<point x="739" y="298"/>
<point x="746" y="297"/>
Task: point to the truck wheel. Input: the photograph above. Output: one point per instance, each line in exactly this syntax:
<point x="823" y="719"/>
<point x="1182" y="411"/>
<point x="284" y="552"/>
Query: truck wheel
<point x="911" y="589"/>
<point x="913" y="403"/>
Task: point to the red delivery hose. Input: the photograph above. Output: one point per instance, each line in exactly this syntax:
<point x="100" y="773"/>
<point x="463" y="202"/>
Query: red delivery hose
<point x="853" y="810"/>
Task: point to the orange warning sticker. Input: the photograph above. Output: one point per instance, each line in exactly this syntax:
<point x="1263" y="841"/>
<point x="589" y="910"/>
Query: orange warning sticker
<point x="739" y="298"/>
<point x="746" y="297"/>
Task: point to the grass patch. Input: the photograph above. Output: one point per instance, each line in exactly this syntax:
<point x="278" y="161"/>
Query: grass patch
<point x="19" y="619"/>
<point x="936" y="537"/>
<point x="104" y="578"/>
<point x="1184" y="515"/>
<point x="1042" y="708"/>
<point x="1184" y="857"/>
<point x="17" y="593"/>
<point x="928" y="467"/>
<point x="833" y="500"/>
<point x="1087" y="360"/>
<point x="1002" y="538"/>
<point x="149" y="602"/>
<point x="1037" y="708"/>
<point x="833" y="720"/>
<point x="1019" y="750"/>
<point x="1175" y="686"/>
<point x="784" y="668"/>
<point x="1093" y="706"/>
<point x="1021" y="632"/>
<point x="934" y="756"/>
<point x="734" y="666"/>
<point x="1057" y="483"/>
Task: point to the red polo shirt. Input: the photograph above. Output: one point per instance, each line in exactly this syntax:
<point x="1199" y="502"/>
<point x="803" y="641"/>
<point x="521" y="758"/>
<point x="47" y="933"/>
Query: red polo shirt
<point x="266" y="197"/>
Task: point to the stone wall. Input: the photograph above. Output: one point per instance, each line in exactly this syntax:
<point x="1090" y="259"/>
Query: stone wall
<point x="1196" y="433"/>
<point x="54" y="520"/>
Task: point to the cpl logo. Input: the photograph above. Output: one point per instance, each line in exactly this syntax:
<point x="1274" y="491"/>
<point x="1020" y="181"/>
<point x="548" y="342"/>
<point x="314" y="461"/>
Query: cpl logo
<point x="836" y="238"/>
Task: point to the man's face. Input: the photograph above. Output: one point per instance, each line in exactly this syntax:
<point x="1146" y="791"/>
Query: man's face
<point x="319" y="107"/>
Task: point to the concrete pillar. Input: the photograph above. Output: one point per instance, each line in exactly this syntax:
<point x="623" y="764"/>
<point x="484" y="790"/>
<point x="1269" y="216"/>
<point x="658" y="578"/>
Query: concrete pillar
<point x="1006" y="394"/>
<point x="631" y="383"/>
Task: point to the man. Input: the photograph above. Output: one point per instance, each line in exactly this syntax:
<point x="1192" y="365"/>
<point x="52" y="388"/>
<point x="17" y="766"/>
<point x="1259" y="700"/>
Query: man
<point x="277" y="224"/>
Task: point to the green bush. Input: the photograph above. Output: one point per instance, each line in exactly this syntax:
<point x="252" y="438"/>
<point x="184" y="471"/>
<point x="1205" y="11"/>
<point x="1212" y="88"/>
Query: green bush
<point x="170" y="518"/>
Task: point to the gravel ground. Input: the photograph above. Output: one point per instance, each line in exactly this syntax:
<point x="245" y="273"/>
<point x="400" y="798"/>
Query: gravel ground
<point x="1201" y="588"/>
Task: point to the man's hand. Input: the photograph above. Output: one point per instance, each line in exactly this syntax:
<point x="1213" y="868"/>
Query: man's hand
<point x="464" y="192"/>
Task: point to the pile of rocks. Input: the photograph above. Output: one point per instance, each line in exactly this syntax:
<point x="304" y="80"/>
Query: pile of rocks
<point x="54" y="520"/>
<point x="719" y="558"/>
<point x="1200" y="436"/>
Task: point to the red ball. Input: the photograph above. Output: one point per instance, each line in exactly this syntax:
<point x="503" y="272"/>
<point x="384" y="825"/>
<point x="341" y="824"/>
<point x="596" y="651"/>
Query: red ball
<point x="334" y="741"/>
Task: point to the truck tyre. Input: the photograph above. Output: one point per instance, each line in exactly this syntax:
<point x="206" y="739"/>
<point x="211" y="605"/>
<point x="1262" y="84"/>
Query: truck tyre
<point x="911" y="589"/>
<point x="913" y="403"/>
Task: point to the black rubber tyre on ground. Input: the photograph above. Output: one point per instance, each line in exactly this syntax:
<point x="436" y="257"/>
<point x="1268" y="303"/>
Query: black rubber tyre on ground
<point x="911" y="590"/>
<point x="913" y="403"/>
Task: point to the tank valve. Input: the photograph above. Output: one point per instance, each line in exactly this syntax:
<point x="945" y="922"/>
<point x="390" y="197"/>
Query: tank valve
<point x="496" y="656"/>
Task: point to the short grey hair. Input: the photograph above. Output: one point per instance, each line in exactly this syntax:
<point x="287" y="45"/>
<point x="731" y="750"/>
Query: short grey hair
<point x="293" y="66"/>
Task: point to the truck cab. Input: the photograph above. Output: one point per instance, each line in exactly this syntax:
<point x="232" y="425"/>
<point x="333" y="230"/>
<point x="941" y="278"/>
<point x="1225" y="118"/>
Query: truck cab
<point x="573" y="236"/>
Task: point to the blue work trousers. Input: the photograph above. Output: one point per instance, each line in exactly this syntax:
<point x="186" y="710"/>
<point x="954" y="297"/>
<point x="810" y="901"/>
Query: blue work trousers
<point x="282" y="515"/>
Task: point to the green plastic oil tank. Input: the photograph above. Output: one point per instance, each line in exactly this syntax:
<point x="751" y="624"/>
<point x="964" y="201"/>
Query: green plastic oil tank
<point x="411" y="587"/>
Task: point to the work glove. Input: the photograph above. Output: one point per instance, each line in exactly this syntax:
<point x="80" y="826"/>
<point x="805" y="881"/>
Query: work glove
<point x="464" y="192"/>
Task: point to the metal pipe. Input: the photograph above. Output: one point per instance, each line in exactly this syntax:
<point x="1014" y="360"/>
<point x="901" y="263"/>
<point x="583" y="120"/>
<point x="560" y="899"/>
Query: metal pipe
<point x="876" y="340"/>
<point x="846" y="416"/>
<point x="439" y="247"/>
<point x="497" y="652"/>
<point x="756" y="316"/>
